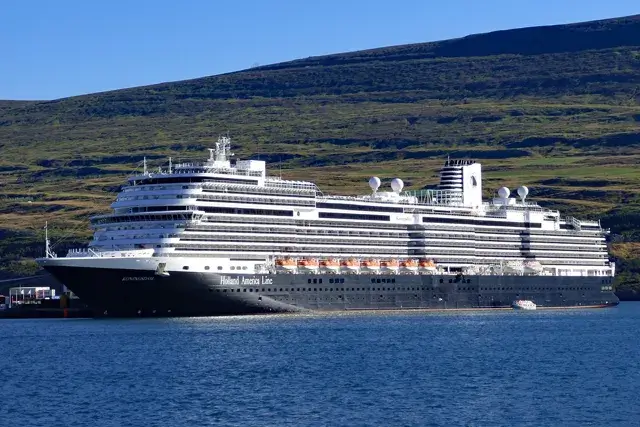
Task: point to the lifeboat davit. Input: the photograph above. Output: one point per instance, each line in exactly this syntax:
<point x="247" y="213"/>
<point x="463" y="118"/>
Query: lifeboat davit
<point x="389" y="265"/>
<point x="370" y="265"/>
<point x="287" y="264"/>
<point x="330" y="264"/>
<point x="426" y="265"/>
<point x="308" y="264"/>
<point x="350" y="265"/>
<point x="408" y="266"/>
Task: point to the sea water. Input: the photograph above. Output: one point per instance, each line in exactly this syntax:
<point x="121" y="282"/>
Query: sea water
<point x="485" y="368"/>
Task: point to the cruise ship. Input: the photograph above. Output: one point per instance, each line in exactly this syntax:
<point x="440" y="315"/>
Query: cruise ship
<point x="222" y="237"/>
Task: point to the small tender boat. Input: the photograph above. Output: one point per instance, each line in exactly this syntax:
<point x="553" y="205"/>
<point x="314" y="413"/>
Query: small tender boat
<point x="330" y="264"/>
<point x="390" y="265"/>
<point x="523" y="304"/>
<point x="287" y="264"/>
<point x="350" y="265"/>
<point x="426" y="265"/>
<point x="409" y="265"/>
<point x="308" y="264"/>
<point x="371" y="265"/>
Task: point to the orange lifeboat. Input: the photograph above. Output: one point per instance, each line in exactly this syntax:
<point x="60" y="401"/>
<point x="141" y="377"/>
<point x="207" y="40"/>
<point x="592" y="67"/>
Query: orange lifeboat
<point x="389" y="264"/>
<point x="308" y="264"/>
<point x="285" y="264"/>
<point x="330" y="264"/>
<point x="350" y="265"/>
<point x="370" y="265"/>
<point x="409" y="265"/>
<point x="426" y="264"/>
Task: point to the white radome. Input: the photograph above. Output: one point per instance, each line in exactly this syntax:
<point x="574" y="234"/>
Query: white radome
<point x="504" y="192"/>
<point x="397" y="185"/>
<point x="523" y="191"/>
<point x="374" y="183"/>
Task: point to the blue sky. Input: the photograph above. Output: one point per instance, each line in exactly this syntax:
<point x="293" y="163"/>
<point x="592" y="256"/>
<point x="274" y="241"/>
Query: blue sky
<point x="53" y="49"/>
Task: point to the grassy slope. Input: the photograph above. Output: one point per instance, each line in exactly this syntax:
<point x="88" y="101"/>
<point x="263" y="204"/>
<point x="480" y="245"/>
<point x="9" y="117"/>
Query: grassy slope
<point x="555" y="108"/>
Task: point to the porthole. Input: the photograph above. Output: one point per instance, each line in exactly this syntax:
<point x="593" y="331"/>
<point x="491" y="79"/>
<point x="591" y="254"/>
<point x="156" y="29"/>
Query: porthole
<point x="186" y="267"/>
<point x="219" y="267"/>
<point x="232" y="267"/>
<point x="206" y="267"/>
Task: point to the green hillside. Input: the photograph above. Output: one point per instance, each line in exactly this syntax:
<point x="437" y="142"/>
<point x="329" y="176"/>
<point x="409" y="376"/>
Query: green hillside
<point x="556" y="108"/>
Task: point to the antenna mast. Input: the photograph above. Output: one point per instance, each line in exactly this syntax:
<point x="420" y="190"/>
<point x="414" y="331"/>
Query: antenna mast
<point x="144" y="165"/>
<point x="47" y="245"/>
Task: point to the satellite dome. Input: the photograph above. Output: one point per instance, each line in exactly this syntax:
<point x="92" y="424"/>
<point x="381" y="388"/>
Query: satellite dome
<point x="504" y="192"/>
<point x="374" y="183"/>
<point x="397" y="185"/>
<point x="523" y="192"/>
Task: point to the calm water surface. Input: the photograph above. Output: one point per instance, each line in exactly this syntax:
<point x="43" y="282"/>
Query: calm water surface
<point x="544" y="368"/>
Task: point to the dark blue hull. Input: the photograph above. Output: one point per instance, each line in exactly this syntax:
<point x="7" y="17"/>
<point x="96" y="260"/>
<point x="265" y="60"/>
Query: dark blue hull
<point x="118" y="292"/>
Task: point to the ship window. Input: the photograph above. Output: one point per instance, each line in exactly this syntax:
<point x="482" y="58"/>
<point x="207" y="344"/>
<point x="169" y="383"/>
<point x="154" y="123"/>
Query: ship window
<point x="232" y="267"/>
<point x="319" y="280"/>
<point x="315" y="280"/>
<point x="341" y="280"/>
<point x="244" y="290"/>
<point x="315" y="289"/>
<point x="331" y="281"/>
<point x="186" y="267"/>
<point x="206" y="267"/>
<point x="393" y="280"/>
<point x="378" y="280"/>
<point x="373" y="280"/>
<point x="244" y="267"/>
<point x="308" y="280"/>
<point x="219" y="267"/>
